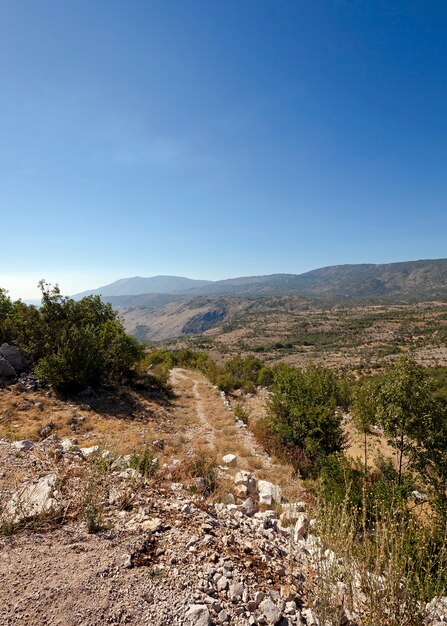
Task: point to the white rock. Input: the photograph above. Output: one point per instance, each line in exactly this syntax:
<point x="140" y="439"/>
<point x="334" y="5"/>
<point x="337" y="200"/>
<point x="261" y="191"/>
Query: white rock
<point x="32" y="500"/>
<point x="66" y="444"/>
<point x="245" y="479"/>
<point x="222" y="583"/>
<point x="130" y="472"/>
<point x="268" y="492"/>
<point x="198" y="615"/>
<point x="301" y="527"/>
<point x="90" y="450"/>
<point x="270" y="611"/>
<point x="291" y="512"/>
<point x="230" y="460"/>
<point x="235" y="591"/>
<point x="22" y="445"/>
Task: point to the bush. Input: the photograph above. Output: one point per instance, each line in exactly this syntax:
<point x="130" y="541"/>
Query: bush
<point x="302" y="411"/>
<point x="72" y="344"/>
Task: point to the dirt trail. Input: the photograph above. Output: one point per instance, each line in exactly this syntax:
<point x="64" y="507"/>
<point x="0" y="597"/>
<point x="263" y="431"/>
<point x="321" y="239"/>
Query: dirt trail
<point x="205" y="423"/>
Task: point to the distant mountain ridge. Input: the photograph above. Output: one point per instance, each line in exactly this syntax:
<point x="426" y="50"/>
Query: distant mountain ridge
<point x="423" y="279"/>
<point x="138" y="285"/>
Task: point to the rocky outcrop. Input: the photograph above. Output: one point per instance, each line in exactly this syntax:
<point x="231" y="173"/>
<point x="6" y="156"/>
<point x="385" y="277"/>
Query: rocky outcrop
<point x="6" y="369"/>
<point x="13" y="356"/>
<point x="12" y="362"/>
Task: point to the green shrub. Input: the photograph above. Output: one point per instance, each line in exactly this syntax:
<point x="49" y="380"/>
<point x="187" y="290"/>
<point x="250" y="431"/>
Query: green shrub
<point x="302" y="411"/>
<point x="241" y="413"/>
<point x="145" y="462"/>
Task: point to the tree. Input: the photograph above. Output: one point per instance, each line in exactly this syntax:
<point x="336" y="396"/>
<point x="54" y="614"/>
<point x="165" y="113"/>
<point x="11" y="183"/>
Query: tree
<point x="403" y="405"/>
<point x="302" y="411"/>
<point x="430" y="453"/>
<point x="364" y="410"/>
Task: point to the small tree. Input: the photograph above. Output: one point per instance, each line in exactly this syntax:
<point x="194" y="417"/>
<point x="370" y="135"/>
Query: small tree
<point x="403" y="403"/>
<point x="302" y="411"/>
<point x="430" y="453"/>
<point x="364" y="410"/>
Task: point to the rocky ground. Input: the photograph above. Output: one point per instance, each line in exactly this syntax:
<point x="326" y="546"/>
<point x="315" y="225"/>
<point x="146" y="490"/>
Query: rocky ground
<point x="156" y="554"/>
<point x="91" y="536"/>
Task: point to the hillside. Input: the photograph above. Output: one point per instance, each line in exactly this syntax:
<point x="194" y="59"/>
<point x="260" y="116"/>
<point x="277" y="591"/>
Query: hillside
<point x="296" y="330"/>
<point x="410" y="280"/>
<point x="138" y="285"/>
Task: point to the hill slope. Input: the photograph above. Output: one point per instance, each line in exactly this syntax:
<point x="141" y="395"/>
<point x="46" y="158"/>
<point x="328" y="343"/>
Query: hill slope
<point x="138" y="285"/>
<point x="411" y="280"/>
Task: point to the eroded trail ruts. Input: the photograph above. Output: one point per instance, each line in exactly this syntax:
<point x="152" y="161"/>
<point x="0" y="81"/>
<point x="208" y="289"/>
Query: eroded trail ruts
<point x="215" y="426"/>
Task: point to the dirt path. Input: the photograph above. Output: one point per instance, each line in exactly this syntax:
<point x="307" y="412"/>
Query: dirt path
<point x="205" y="423"/>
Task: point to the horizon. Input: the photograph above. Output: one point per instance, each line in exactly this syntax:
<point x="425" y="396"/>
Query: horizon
<point x="244" y="138"/>
<point x="35" y="297"/>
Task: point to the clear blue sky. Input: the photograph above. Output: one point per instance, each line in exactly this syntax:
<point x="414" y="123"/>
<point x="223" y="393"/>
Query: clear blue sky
<point x="218" y="138"/>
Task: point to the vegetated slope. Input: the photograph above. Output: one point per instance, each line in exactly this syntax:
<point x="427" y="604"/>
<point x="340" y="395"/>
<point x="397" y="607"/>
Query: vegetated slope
<point x="413" y="280"/>
<point x="138" y="285"/>
<point x="190" y="316"/>
<point x="159" y="316"/>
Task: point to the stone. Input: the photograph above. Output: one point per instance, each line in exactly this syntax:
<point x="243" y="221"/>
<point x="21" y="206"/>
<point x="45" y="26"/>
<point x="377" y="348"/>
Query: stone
<point x="246" y="480"/>
<point x="268" y="493"/>
<point x="198" y="615"/>
<point x="34" y="499"/>
<point x="249" y="507"/>
<point x="22" y="445"/>
<point x="222" y="617"/>
<point x="230" y="460"/>
<point x="151" y="525"/>
<point x="301" y="527"/>
<point x="235" y="591"/>
<point x="66" y="444"/>
<point x="6" y="369"/>
<point x="291" y="511"/>
<point x="310" y="617"/>
<point x="13" y="356"/>
<point x="90" y="450"/>
<point x="222" y="583"/>
<point x="270" y="611"/>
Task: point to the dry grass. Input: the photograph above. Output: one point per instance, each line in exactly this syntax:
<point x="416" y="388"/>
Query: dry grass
<point x="35" y="415"/>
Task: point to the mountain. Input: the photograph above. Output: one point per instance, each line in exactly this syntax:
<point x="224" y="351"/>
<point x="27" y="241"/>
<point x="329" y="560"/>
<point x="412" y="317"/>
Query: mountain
<point x="171" y="306"/>
<point x="411" y="280"/>
<point x="138" y="285"/>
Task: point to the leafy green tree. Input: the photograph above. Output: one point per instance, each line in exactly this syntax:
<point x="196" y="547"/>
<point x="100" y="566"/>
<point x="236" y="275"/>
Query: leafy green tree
<point x="302" y="411"/>
<point x="429" y="455"/>
<point x="403" y="406"/>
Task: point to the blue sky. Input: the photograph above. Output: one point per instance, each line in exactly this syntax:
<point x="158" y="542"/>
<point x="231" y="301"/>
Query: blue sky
<point x="215" y="139"/>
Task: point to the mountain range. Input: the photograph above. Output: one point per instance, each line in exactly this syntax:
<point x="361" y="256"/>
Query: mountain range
<point x="164" y="307"/>
<point x="412" y="280"/>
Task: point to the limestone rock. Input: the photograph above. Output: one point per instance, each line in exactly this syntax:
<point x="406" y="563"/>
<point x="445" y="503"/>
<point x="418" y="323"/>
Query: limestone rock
<point x="198" y="615"/>
<point x="230" y="460"/>
<point x="22" y="445"/>
<point x="301" y="527"/>
<point x="246" y="480"/>
<point x="32" y="500"/>
<point x="270" y="611"/>
<point x="268" y="492"/>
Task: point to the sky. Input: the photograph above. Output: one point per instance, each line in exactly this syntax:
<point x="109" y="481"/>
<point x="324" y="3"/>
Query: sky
<point x="213" y="139"/>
